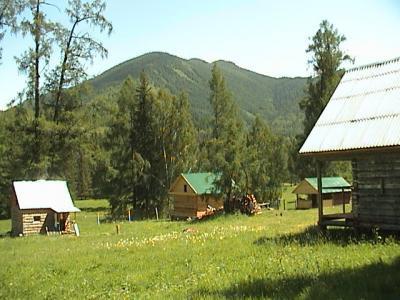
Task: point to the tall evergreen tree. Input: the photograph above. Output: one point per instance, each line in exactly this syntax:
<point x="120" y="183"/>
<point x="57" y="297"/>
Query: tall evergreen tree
<point x="183" y="138"/>
<point x="326" y="60"/>
<point x="5" y="171"/>
<point x="226" y="147"/>
<point x="151" y="140"/>
<point x="33" y="62"/>
<point x="127" y="165"/>
<point x="145" y="143"/>
<point x="265" y="161"/>
<point x="177" y="137"/>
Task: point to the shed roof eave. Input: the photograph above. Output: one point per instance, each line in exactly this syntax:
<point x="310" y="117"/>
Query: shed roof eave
<point x="350" y="154"/>
<point x="70" y="210"/>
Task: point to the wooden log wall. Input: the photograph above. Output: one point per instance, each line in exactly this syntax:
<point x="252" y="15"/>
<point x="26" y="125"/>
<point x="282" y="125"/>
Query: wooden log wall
<point x="338" y="198"/>
<point x="30" y="226"/>
<point x="185" y="206"/>
<point x="16" y="216"/>
<point x="192" y="205"/>
<point x="376" y="196"/>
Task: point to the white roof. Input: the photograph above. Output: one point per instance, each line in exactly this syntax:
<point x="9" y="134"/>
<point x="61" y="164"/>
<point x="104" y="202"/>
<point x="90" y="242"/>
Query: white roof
<point x="363" y="112"/>
<point x="53" y="194"/>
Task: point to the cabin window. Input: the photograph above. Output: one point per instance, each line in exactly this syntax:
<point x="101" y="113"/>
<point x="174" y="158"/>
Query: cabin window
<point x="36" y="218"/>
<point x="185" y="188"/>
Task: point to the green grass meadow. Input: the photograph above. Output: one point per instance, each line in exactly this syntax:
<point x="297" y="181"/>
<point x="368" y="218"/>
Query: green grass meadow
<point x="277" y="254"/>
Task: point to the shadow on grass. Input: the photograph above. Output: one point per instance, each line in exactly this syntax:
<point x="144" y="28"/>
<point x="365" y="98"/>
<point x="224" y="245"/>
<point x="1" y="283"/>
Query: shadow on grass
<point x="95" y="209"/>
<point x="375" y="281"/>
<point x="340" y="236"/>
<point x="5" y="235"/>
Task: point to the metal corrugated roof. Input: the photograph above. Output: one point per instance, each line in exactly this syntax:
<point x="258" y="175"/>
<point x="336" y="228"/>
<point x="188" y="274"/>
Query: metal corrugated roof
<point x="363" y="112"/>
<point x="53" y="194"/>
<point x="330" y="184"/>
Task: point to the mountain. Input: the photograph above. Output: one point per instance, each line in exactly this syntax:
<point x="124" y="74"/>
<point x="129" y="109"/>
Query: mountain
<point x="274" y="99"/>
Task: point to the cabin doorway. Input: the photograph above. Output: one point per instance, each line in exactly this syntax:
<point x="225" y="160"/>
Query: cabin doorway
<point x="62" y="220"/>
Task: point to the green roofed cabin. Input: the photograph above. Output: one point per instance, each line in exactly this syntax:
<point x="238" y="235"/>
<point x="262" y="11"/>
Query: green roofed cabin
<point x="335" y="191"/>
<point x="194" y="195"/>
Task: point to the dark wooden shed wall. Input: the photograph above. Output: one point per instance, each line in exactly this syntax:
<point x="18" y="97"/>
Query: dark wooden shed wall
<point x="376" y="195"/>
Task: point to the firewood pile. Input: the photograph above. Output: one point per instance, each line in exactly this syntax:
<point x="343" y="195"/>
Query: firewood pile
<point x="248" y="205"/>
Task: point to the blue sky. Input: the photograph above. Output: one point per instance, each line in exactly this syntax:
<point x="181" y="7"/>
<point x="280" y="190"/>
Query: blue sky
<point x="269" y="37"/>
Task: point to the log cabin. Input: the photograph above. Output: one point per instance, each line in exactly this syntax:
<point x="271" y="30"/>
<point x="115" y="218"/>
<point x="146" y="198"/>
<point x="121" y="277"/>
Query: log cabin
<point x="361" y="124"/>
<point x="41" y="206"/>
<point x="335" y="191"/>
<point x="194" y="194"/>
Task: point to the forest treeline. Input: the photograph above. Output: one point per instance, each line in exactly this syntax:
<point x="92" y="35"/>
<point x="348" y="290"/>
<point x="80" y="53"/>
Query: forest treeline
<point x="129" y="144"/>
<point x="148" y="139"/>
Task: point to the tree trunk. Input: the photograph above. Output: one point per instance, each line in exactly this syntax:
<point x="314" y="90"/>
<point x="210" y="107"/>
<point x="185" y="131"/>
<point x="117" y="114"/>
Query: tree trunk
<point x="36" y="150"/>
<point x="37" y="49"/>
<point x="62" y="74"/>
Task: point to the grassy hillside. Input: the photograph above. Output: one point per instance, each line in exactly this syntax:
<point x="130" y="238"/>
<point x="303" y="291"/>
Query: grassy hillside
<point x="275" y="99"/>
<point x="271" y="255"/>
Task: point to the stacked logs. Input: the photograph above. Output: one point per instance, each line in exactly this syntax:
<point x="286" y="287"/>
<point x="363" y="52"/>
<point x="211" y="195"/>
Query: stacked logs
<point x="248" y="205"/>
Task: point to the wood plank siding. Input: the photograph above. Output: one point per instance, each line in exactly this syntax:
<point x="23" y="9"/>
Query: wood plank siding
<point x="35" y="221"/>
<point x="376" y="196"/>
<point x="188" y="203"/>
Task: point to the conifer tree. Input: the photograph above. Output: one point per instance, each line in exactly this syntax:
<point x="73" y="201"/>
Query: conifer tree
<point x="266" y="162"/>
<point x="145" y="144"/>
<point x="259" y="160"/>
<point x="120" y="141"/>
<point x="326" y="60"/>
<point x="151" y="140"/>
<point x="177" y="137"/>
<point x="227" y="145"/>
<point x="34" y="62"/>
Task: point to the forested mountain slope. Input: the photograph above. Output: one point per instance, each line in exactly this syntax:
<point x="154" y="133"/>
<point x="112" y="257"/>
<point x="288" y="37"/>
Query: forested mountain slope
<point x="274" y="99"/>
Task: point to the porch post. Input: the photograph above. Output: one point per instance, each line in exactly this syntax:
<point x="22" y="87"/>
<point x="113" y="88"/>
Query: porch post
<point x="319" y="195"/>
<point x="343" y="202"/>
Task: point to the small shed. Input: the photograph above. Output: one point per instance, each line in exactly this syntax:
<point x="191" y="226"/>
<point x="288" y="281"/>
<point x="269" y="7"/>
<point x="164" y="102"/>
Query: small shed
<point x="194" y="194"/>
<point x="335" y="191"/>
<point x="361" y="124"/>
<point x="41" y="206"/>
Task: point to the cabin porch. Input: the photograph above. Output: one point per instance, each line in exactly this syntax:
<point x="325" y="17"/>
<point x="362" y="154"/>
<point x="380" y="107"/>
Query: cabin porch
<point x="340" y="219"/>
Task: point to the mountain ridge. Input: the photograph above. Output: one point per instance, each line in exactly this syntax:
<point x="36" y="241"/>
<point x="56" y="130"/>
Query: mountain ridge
<point x="274" y="99"/>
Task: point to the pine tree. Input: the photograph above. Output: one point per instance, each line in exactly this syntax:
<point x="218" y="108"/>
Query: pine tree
<point x="326" y="60"/>
<point x="151" y="140"/>
<point x="147" y="190"/>
<point x="227" y="145"/>
<point x="184" y="137"/>
<point x="125" y="162"/>
<point x="34" y="62"/>
<point x="177" y="138"/>
<point x="258" y="160"/>
<point x="266" y="162"/>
